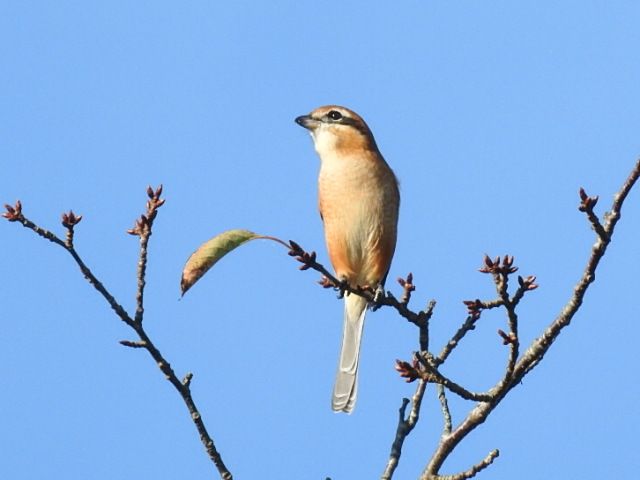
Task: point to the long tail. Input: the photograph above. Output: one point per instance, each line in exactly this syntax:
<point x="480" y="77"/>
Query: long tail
<point x="345" y="389"/>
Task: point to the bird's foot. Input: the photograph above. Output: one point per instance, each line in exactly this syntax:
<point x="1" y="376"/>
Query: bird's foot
<point x="341" y="288"/>
<point x="378" y="296"/>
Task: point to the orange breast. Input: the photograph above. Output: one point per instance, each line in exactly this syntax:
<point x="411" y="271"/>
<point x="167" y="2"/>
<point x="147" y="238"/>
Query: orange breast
<point x="358" y="199"/>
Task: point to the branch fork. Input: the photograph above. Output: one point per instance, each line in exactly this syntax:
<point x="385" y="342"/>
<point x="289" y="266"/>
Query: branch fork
<point x="424" y="367"/>
<point x="143" y="229"/>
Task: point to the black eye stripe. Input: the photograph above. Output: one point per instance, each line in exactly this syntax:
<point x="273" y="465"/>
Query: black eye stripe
<point x="334" y="116"/>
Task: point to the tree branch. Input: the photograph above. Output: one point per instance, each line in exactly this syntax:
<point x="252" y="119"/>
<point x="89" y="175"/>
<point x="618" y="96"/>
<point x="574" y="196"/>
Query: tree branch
<point x="308" y="260"/>
<point x="446" y="412"/>
<point x="425" y="367"/>
<point x="143" y="229"/>
<point x="534" y="354"/>
<point x="539" y="347"/>
<point x="430" y="373"/>
<point x="405" y="426"/>
<point x="488" y="460"/>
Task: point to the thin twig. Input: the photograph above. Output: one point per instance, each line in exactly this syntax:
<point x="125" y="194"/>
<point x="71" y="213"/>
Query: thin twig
<point x="431" y="374"/>
<point x="131" y="344"/>
<point x="446" y="412"/>
<point x="143" y="229"/>
<point x="407" y="288"/>
<point x="308" y="259"/>
<point x="405" y="426"/>
<point x="14" y="214"/>
<point x="525" y="284"/>
<point x="512" y="317"/>
<point x="500" y="270"/>
<point x="425" y="366"/>
<point x="488" y="460"/>
<point x="539" y="347"/>
<point x="587" y="205"/>
<point x="536" y="351"/>
<point x="423" y="337"/>
<point x="468" y="325"/>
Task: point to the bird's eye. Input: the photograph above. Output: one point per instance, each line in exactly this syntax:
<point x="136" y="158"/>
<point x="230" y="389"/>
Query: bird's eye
<point x="334" y="115"/>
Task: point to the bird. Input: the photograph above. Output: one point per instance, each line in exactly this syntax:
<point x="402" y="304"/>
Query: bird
<point x="359" y="201"/>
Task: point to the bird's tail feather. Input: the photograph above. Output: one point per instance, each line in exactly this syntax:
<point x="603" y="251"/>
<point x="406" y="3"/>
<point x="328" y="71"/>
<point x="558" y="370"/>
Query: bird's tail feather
<point x="345" y="389"/>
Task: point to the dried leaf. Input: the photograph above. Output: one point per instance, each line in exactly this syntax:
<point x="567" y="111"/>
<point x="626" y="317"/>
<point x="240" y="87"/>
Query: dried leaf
<point x="208" y="254"/>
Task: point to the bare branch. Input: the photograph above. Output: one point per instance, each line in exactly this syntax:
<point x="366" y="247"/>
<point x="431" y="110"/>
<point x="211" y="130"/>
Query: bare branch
<point x="431" y="374"/>
<point x="367" y="292"/>
<point x="131" y="344"/>
<point x="408" y="288"/>
<point x="69" y="221"/>
<point x="500" y="270"/>
<point x="446" y="413"/>
<point x="143" y="229"/>
<point x="587" y="204"/>
<point x="536" y="350"/>
<point x="424" y="368"/>
<point x="405" y="426"/>
<point x="186" y="381"/>
<point x="423" y="338"/>
<point x="467" y="326"/>
<point x="14" y="214"/>
<point x="525" y="284"/>
<point x="488" y="460"/>
<point x="539" y="347"/>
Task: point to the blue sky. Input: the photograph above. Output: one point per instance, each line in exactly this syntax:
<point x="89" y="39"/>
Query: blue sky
<point x="492" y="115"/>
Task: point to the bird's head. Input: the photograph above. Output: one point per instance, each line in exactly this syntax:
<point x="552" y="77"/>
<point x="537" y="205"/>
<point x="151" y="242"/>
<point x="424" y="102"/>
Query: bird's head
<point x="337" y="129"/>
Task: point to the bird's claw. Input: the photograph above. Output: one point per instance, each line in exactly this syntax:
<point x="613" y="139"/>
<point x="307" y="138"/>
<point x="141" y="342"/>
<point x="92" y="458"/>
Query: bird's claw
<point x="341" y="288"/>
<point x="378" y="295"/>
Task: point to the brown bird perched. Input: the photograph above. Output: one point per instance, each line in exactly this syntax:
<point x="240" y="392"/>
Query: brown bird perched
<point x="359" y="199"/>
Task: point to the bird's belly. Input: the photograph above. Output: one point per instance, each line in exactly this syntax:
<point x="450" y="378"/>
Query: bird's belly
<point x="359" y="228"/>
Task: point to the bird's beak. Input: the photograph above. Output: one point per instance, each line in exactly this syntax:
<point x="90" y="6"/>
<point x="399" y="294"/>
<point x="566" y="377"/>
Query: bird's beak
<point x="306" y="121"/>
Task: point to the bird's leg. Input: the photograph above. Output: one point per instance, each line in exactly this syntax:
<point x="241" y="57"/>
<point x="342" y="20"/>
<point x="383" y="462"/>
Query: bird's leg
<point x="377" y="297"/>
<point x="341" y="288"/>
